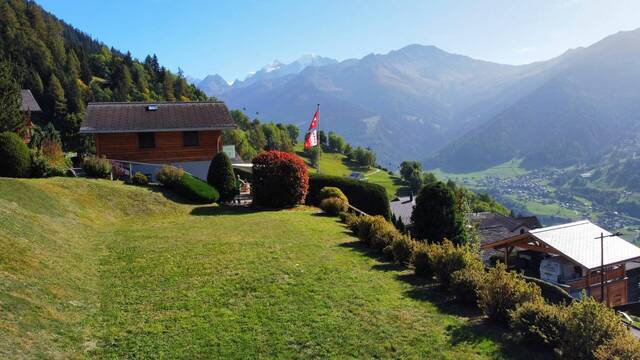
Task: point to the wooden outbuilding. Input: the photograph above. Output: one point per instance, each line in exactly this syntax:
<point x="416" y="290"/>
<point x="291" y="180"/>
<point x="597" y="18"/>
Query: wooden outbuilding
<point x="574" y="257"/>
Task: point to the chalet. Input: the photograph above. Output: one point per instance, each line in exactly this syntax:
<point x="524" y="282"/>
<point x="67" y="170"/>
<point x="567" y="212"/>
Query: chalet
<point x="28" y="106"/>
<point x="147" y="135"/>
<point x="493" y="227"/>
<point x="576" y="258"/>
<point x="402" y="208"/>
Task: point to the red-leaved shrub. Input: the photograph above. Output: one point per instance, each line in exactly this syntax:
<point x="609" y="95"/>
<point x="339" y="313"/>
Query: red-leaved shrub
<point x="280" y="179"/>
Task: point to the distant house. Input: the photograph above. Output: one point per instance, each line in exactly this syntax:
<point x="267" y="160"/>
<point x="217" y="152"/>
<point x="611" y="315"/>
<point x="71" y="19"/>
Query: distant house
<point x="28" y="106"/>
<point x="183" y="134"/>
<point x="402" y="208"/>
<point x="570" y="255"/>
<point x="492" y="227"/>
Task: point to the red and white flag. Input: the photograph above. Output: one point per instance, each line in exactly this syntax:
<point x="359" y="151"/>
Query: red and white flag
<point x="311" y="139"/>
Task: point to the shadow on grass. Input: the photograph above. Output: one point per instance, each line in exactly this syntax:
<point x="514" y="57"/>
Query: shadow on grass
<point x="170" y="195"/>
<point x="217" y="210"/>
<point x="477" y="332"/>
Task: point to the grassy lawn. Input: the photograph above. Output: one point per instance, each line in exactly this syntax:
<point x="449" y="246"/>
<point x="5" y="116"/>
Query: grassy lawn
<point x="92" y="268"/>
<point x="337" y="165"/>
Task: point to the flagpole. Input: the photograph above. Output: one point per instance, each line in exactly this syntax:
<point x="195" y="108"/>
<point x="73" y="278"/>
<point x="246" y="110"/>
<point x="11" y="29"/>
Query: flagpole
<point x="319" y="142"/>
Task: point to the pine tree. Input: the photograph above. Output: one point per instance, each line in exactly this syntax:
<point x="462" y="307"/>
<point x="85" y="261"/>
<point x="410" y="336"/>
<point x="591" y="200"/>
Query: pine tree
<point x="57" y="102"/>
<point x="167" y="86"/>
<point x="34" y="83"/>
<point x="122" y="82"/>
<point x="10" y="117"/>
<point x="75" y="103"/>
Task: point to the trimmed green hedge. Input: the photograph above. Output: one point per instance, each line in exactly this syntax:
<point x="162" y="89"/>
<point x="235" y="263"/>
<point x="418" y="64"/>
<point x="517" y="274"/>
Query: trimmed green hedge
<point x="368" y="197"/>
<point x="196" y="190"/>
<point x="552" y="293"/>
<point x="15" y="159"/>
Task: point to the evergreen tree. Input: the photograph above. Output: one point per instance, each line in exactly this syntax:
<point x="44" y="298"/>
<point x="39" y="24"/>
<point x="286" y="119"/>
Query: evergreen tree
<point x="57" y="102"/>
<point x="34" y="83"/>
<point x="167" y="86"/>
<point x="122" y="82"/>
<point x="180" y="90"/>
<point x="221" y="177"/>
<point x="75" y="102"/>
<point x="436" y="215"/>
<point x="10" y="117"/>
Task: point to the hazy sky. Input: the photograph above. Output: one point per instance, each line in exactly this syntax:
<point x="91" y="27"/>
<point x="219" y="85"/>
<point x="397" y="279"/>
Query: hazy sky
<point x="233" y="38"/>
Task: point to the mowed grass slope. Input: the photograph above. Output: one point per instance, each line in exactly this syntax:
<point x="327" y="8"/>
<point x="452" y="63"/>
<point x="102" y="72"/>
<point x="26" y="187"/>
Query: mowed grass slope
<point x="92" y="268"/>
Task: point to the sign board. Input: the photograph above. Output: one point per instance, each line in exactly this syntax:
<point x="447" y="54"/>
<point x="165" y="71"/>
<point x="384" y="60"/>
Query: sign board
<point x="230" y="150"/>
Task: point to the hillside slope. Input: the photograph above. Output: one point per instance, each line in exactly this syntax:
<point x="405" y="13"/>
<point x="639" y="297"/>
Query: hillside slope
<point x="101" y="269"/>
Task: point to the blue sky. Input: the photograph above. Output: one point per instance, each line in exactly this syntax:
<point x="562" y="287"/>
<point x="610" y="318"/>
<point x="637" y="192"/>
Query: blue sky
<point x="233" y="38"/>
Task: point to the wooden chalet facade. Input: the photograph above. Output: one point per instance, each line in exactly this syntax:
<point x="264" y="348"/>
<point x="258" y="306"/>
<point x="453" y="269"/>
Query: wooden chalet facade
<point x="28" y="106"/>
<point x="183" y="134"/>
<point x="570" y="256"/>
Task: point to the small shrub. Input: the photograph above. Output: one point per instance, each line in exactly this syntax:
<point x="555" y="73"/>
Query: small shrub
<point x="366" y="224"/>
<point x="539" y="324"/>
<point x="332" y="192"/>
<point x="387" y="253"/>
<point x="169" y="175"/>
<point x="195" y="190"/>
<point x="280" y="179"/>
<point x="621" y="347"/>
<point x="446" y="258"/>
<point x="466" y="282"/>
<point x="552" y="293"/>
<point x="589" y="325"/>
<point x="96" y="167"/>
<point x="139" y="179"/>
<point x="39" y="165"/>
<point x="402" y="248"/>
<point x="221" y="177"/>
<point x="15" y="159"/>
<point x="368" y="197"/>
<point x="333" y="206"/>
<point x="347" y="218"/>
<point x="421" y="261"/>
<point x="381" y="234"/>
<point x="503" y="292"/>
<point x="353" y="223"/>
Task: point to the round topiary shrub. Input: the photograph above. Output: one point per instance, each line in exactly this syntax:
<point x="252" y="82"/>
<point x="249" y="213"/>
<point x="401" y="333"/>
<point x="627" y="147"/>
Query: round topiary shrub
<point x="96" y="167"/>
<point x="332" y="192"/>
<point x="169" y="175"/>
<point x="333" y="206"/>
<point x="140" y="179"/>
<point x="221" y="177"/>
<point x="280" y="179"/>
<point x="15" y="159"/>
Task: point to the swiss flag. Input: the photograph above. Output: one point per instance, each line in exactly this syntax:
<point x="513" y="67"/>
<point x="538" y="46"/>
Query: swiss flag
<point x="311" y="139"/>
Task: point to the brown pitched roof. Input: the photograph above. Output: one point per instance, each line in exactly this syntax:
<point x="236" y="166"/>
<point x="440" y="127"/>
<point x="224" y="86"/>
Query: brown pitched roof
<point x="160" y="116"/>
<point x="28" y="102"/>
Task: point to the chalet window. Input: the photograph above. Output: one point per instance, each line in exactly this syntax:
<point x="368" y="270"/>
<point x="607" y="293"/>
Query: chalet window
<point x="146" y="140"/>
<point x="190" y="138"/>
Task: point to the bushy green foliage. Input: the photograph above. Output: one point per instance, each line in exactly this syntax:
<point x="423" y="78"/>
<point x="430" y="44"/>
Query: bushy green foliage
<point x="411" y="172"/>
<point x="96" y="167"/>
<point x="169" y="175"/>
<point x="421" y="261"/>
<point x="589" y="325"/>
<point x="15" y="159"/>
<point x="368" y="197"/>
<point x="362" y="157"/>
<point x="195" y="190"/>
<point x="333" y="206"/>
<point x="437" y="215"/>
<point x="622" y="347"/>
<point x="42" y="167"/>
<point x="539" y="324"/>
<point x="446" y="258"/>
<point x="347" y="218"/>
<point x="466" y="282"/>
<point x="365" y="225"/>
<point x="503" y="292"/>
<point x="280" y="179"/>
<point x="139" y="179"/>
<point x="402" y="248"/>
<point x="381" y="234"/>
<point x="10" y="117"/>
<point x="221" y="177"/>
<point x="332" y="191"/>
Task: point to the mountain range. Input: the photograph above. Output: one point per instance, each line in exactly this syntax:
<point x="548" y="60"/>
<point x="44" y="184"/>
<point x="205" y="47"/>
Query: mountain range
<point x="455" y="112"/>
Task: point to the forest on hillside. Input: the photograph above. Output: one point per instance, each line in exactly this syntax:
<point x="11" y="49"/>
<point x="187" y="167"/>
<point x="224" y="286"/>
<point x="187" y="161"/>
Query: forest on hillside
<point x="65" y="69"/>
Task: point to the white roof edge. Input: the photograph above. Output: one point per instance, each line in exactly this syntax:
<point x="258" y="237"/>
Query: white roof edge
<point x="561" y="226"/>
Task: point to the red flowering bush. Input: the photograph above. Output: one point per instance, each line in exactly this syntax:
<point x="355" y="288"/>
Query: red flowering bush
<point x="280" y="179"/>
